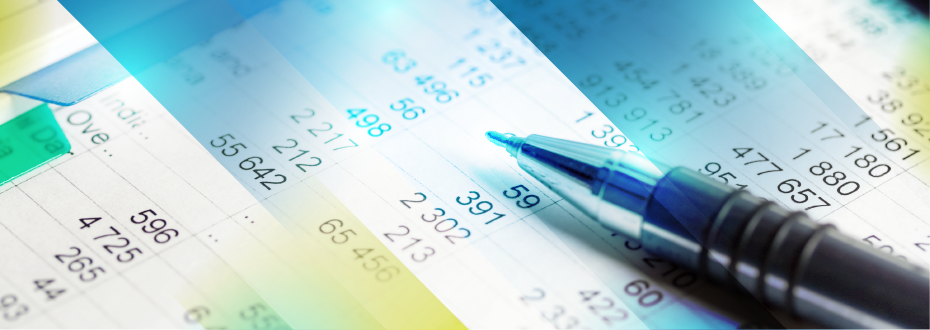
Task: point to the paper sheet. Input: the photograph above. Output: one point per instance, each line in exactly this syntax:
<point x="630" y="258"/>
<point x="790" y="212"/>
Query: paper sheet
<point x="498" y="264"/>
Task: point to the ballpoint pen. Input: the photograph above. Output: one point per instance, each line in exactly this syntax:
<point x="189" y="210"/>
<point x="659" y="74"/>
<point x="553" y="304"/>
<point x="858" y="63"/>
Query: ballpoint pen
<point x="785" y="259"/>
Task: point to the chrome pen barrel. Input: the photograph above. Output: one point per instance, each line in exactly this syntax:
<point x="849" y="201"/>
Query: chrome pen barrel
<point x="609" y="185"/>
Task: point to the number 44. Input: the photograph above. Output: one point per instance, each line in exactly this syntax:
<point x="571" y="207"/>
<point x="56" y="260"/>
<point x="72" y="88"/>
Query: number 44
<point x="51" y="293"/>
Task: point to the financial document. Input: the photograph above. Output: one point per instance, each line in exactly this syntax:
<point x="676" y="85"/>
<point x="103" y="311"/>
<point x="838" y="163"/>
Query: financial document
<point x="384" y="132"/>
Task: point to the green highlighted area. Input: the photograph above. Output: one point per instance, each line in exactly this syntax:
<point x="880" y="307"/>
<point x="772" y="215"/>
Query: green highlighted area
<point x="28" y="141"/>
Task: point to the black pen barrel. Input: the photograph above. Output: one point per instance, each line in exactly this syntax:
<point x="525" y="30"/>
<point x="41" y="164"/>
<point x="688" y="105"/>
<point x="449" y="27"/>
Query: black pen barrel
<point x="783" y="258"/>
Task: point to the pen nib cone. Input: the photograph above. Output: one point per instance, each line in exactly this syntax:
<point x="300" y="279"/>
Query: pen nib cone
<point x="509" y="141"/>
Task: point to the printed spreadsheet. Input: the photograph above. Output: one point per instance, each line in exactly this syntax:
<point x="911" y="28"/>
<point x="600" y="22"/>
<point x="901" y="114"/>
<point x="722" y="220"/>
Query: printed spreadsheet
<point x="393" y="129"/>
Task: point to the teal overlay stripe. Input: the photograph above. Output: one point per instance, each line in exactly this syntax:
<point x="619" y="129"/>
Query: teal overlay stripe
<point x="29" y="141"/>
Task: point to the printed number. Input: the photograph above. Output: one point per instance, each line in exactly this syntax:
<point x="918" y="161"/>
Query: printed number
<point x="409" y="112"/>
<point x="713" y="91"/>
<point x="250" y="163"/>
<point x="606" y="311"/>
<point x="470" y="199"/>
<point x="330" y="227"/>
<point x="895" y="144"/>
<point x="266" y="183"/>
<point x="878" y="245"/>
<point x="369" y="121"/>
<point x="277" y="148"/>
<point x="42" y="285"/>
<point x="162" y="235"/>
<point x="386" y="273"/>
<point x="398" y="60"/>
<point x="260" y="173"/>
<point x="885" y="102"/>
<point x="294" y="117"/>
<point x="78" y="265"/>
<point x="87" y="224"/>
<point x="388" y="235"/>
<point x="664" y="133"/>
<point x="301" y="166"/>
<point x="442" y="95"/>
<point x="834" y="179"/>
<point x="312" y="130"/>
<point x="615" y="141"/>
<point x="375" y="260"/>
<point x="226" y="151"/>
<point x="317" y="160"/>
<point x="259" y="317"/>
<point x="467" y="234"/>
<point x="423" y="255"/>
<point x="234" y="147"/>
<point x="714" y="167"/>
<point x="822" y="125"/>
<point x="404" y="201"/>
<point x="196" y="315"/>
<point x="454" y="224"/>
<point x="640" y="288"/>
<point x="11" y="308"/>
<point x="121" y="257"/>
<point x="741" y="153"/>
<point x="528" y="200"/>
<point x="556" y="314"/>
<point x="788" y="186"/>
<point x="876" y="171"/>
<point x="375" y="263"/>
<point x="479" y="208"/>
<point x="435" y="216"/>
<point x="221" y="138"/>
<point x="921" y="245"/>
<point x="640" y="113"/>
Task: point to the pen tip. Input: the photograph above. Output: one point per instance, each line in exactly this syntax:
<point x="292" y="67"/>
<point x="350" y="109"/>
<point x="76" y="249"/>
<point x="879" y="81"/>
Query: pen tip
<point x="509" y="141"/>
<point x="496" y="137"/>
